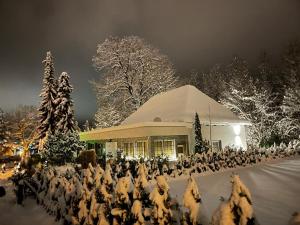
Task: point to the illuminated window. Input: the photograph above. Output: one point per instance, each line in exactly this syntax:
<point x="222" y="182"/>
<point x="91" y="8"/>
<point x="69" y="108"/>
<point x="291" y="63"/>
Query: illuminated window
<point x="158" y="148"/>
<point x="165" y="147"/>
<point x="168" y="148"/>
<point x="128" y="149"/>
<point x="141" y="149"/>
<point x="217" y="145"/>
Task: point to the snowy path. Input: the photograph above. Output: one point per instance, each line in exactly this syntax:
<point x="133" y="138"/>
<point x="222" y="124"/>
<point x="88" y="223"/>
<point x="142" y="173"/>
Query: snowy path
<point x="275" y="190"/>
<point x="13" y="214"/>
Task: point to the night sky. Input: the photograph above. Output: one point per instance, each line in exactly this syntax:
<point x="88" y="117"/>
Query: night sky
<point x="194" y="34"/>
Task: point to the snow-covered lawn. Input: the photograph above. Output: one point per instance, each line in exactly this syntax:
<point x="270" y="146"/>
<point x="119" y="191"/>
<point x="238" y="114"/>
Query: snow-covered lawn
<point x="275" y="190"/>
<point x="13" y="214"/>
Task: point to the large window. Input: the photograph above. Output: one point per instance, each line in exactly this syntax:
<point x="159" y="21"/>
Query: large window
<point x="158" y="147"/>
<point x="217" y="145"/>
<point x="128" y="149"/>
<point x="168" y="148"/>
<point x="141" y="149"/>
<point x="165" y="147"/>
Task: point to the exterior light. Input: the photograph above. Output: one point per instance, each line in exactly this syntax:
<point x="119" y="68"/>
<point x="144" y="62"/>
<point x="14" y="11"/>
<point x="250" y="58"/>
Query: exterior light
<point x="238" y="141"/>
<point x="237" y="129"/>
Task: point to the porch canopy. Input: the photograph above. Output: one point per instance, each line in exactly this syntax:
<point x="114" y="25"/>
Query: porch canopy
<point x="145" y="129"/>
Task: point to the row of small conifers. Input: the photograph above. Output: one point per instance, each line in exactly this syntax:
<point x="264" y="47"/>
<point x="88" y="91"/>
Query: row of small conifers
<point x="96" y="196"/>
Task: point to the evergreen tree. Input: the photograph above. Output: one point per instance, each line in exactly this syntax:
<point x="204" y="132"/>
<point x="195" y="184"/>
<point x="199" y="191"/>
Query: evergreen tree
<point x="62" y="148"/>
<point x="191" y="200"/>
<point x="47" y="106"/>
<point x="121" y="211"/>
<point x="162" y="214"/>
<point x="199" y="145"/>
<point x="64" y="112"/>
<point x="237" y="210"/>
<point x="141" y="186"/>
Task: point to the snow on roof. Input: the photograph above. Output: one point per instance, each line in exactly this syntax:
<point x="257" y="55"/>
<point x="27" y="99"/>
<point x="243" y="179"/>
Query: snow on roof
<point x="180" y="105"/>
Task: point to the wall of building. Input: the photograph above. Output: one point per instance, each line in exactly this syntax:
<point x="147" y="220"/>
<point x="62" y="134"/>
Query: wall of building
<point x="228" y="134"/>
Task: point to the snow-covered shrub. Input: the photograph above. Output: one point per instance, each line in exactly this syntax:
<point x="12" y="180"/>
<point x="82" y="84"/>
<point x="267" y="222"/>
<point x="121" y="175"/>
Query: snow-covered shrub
<point x="137" y="212"/>
<point x="141" y="187"/>
<point x="191" y="200"/>
<point x="237" y="210"/>
<point x="87" y="156"/>
<point x="120" y="193"/>
<point x="160" y="198"/>
<point x="62" y="148"/>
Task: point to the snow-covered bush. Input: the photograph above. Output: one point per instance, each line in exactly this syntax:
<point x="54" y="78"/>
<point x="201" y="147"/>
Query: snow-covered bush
<point x="160" y="198"/>
<point x="191" y="200"/>
<point x="122" y="201"/>
<point x="237" y="210"/>
<point x="87" y="156"/>
<point x="62" y="148"/>
<point x="121" y="192"/>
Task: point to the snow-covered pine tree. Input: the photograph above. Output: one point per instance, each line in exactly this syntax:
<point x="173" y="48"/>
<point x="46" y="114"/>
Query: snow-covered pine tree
<point x="141" y="191"/>
<point x="47" y="106"/>
<point x="160" y="198"/>
<point x="64" y="112"/>
<point x="62" y="148"/>
<point x="199" y="145"/>
<point x="191" y="200"/>
<point x="137" y="212"/>
<point x="237" y="210"/>
<point x="122" y="207"/>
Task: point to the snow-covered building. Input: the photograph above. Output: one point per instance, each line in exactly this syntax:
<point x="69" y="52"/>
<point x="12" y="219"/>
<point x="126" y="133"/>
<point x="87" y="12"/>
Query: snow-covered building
<point x="164" y="125"/>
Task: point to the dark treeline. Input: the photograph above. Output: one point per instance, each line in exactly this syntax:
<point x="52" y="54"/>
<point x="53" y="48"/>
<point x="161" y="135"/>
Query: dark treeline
<point x="268" y="94"/>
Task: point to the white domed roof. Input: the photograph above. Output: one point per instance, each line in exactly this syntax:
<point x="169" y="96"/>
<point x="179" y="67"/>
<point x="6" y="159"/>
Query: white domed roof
<point x="180" y="105"/>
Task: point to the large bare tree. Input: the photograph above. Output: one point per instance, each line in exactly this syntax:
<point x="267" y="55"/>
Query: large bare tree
<point x="132" y="71"/>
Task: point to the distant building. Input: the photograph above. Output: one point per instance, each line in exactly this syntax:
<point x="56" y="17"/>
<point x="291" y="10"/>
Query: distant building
<point x="164" y="125"/>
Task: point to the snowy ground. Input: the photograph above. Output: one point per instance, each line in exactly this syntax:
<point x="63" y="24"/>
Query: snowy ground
<point x="275" y="191"/>
<point x="13" y="214"/>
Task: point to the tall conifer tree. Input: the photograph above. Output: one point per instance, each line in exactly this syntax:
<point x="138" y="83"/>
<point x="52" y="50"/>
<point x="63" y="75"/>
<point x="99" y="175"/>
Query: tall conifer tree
<point x="64" y="112"/>
<point x="47" y="106"/>
<point x="199" y="147"/>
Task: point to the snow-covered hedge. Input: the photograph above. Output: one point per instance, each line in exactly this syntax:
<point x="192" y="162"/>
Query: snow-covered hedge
<point x="93" y="196"/>
<point x="209" y="161"/>
<point x="132" y="192"/>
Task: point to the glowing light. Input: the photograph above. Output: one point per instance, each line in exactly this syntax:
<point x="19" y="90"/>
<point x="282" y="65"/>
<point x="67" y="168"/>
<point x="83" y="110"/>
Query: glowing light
<point x="238" y="141"/>
<point x="237" y="129"/>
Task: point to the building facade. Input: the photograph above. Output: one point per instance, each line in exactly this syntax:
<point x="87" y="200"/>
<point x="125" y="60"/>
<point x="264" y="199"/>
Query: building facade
<point x="164" y="126"/>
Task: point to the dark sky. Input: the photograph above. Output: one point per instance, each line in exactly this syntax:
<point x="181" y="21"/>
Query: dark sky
<point x="194" y="34"/>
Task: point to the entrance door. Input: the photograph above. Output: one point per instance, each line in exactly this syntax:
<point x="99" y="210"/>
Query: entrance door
<point x="181" y="150"/>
